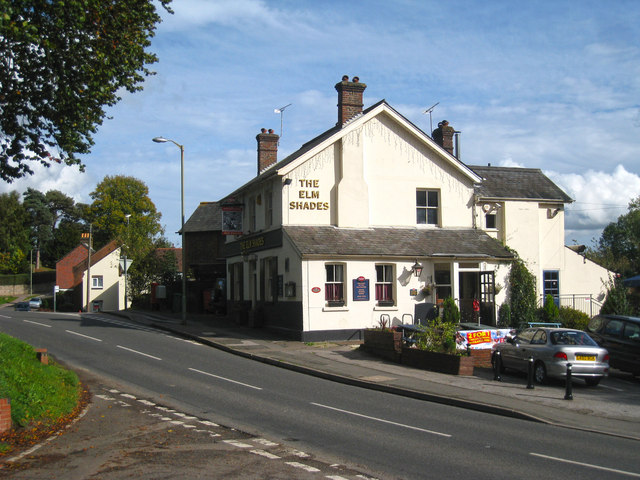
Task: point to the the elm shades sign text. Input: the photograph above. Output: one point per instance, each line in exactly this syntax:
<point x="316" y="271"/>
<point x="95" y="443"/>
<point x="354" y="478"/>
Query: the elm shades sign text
<point x="308" y="196"/>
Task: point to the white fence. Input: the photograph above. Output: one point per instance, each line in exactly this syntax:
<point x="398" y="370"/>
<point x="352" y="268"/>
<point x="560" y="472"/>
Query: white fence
<point x="584" y="303"/>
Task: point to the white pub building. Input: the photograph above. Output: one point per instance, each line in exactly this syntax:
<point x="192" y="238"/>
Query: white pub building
<point x="375" y="219"/>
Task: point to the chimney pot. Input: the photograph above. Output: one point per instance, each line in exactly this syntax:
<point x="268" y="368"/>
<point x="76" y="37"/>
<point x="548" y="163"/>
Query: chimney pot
<point x="349" y="99"/>
<point x="267" y="149"/>
<point x="443" y="136"/>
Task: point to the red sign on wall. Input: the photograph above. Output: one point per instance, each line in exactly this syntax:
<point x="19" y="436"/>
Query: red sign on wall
<point x="315" y="289"/>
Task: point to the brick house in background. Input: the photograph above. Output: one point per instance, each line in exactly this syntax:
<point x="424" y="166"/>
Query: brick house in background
<point x="203" y="243"/>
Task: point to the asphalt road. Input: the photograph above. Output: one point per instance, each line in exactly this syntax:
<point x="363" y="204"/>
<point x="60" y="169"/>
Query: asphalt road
<point x="385" y="435"/>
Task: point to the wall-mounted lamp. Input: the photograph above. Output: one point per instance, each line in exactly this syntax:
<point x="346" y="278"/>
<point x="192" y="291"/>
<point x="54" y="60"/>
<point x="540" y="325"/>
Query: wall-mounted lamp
<point x="416" y="269"/>
<point x="287" y="181"/>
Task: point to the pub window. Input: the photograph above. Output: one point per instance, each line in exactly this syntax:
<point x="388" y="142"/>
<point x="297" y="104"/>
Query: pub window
<point x="252" y="214"/>
<point x="490" y="221"/>
<point x="334" y="284"/>
<point x="442" y="275"/>
<point x="236" y="281"/>
<point x="384" y="285"/>
<point x="270" y="278"/>
<point x="427" y="207"/>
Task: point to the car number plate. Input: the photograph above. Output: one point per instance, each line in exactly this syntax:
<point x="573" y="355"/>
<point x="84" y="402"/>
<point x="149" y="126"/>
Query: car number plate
<point x="586" y="358"/>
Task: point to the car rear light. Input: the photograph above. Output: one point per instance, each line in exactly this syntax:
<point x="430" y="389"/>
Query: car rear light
<point x="561" y="356"/>
<point x="606" y="358"/>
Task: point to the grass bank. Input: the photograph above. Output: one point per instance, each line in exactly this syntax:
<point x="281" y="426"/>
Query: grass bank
<point x="41" y="395"/>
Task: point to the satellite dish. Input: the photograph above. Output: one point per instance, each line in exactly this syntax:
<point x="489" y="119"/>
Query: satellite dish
<point x="486" y="207"/>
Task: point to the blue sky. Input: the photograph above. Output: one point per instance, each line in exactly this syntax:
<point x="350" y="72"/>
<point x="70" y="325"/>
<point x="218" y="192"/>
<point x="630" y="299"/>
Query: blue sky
<point x="540" y="84"/>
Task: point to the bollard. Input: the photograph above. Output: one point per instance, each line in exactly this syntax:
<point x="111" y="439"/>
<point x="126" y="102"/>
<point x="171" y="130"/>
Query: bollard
<point x="569" y="387"/>
<point x="530" y="374"/>
<point x="497" y="365"/>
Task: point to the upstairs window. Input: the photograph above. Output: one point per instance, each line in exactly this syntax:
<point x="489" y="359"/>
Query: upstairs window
<point x="490" y="221"/>
<point x="384" y="285"/>
<point x="427" y="207"/>
<point x="96" y="282"/>
<point x="334" y="285"/>
<point x="268" y="209"/>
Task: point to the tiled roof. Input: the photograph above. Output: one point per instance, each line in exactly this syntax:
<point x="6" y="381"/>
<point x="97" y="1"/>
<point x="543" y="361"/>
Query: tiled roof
<point x="400" y="242"/>
<point x="206" y="218"/>
<point x="525" y="183"/>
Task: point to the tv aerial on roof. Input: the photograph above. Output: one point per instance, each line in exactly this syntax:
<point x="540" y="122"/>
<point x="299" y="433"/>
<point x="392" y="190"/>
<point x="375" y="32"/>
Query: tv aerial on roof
<point x="281" y="112"/>
<point x="429" y="110"/>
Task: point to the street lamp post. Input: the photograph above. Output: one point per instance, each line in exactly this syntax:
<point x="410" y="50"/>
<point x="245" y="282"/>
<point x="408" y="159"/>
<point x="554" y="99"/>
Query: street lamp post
<point x="126" y="267"/>
<point x="184" y="263"/>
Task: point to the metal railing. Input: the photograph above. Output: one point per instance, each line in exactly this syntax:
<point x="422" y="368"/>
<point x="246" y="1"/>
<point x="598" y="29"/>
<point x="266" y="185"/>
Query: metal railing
<point x="586" y="303"/>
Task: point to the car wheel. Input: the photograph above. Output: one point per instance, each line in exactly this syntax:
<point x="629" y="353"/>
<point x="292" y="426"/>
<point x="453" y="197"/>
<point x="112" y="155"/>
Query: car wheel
<point x="540" y="373"/>
<point x="592" y="382"/>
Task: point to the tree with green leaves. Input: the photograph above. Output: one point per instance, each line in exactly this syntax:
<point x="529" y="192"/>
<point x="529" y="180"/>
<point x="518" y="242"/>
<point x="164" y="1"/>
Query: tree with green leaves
<point x="61" y="64"/>
<point x="114" y="198"/>
<point x="617" y="300"/>
<point x="618" y="248"/>
<point x="14" y="234"/>
<point x="56" y="223"/>
<point x="522" y="294"/>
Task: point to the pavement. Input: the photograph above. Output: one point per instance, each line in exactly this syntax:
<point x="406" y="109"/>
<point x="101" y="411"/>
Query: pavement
<point x="612" y="408"/>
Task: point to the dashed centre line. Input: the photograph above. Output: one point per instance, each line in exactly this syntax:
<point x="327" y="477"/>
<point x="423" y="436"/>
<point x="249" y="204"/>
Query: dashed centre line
<point x="225" y="379"/>
<point x="37" y="323"/>
<point x="381" y="420"/>
<point x="83" y="336"/>
<point x="138" y="352"/>
<point x="588" y="465"/>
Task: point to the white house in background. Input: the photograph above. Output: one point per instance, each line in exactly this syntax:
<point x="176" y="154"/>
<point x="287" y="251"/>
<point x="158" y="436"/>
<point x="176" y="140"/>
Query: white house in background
<point x="107" y="290"/>
<point x="375" y="219"/>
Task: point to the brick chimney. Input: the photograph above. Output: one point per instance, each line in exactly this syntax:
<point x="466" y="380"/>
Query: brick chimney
<point x="267" y="149"/>
<point x="443" y="136"/>
<point x="349" y="99"/>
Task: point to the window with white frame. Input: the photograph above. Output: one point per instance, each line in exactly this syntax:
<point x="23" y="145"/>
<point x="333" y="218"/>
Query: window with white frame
<point x="334" y="284"/>
<point x="96" y="281"/>
<point x="384" y="285"/>
<point x="427" y="207"/>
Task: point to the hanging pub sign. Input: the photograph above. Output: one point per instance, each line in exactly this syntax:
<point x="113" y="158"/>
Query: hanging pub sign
<point x="360" y="289"/>
<point x="231" y="218"/>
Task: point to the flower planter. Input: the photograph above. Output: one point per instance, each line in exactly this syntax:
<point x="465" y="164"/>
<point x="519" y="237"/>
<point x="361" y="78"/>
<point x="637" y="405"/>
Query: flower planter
<point x="384" y="343"/>
<point x="437" y="362"/>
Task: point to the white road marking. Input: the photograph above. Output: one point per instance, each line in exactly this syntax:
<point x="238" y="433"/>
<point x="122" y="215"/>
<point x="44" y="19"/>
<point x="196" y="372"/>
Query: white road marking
<point x="238" y="444"/>
<point x="139" y="353"/>
<point x="304" y="467"/>
<point x="588" y="465"/>
<point x="4" y="316"/>
<point x="84" y="336"/>
<point x="612" y="388"/>
<point x="335" y="477"/>
<point x="37" y="323"/>
<point x="225" y="379"/>
<point x="381" y="420"/>
<point x="265" y="442"/>
<point x="265" y="454"/>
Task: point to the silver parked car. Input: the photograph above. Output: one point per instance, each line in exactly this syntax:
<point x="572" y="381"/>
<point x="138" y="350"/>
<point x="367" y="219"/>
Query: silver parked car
<point x="552" y="349"/>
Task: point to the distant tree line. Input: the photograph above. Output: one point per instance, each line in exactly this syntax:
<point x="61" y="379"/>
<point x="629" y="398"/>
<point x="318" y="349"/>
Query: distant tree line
<point x="47" y="226"/>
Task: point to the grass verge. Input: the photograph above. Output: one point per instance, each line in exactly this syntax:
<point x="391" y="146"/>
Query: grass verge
<point x="43" y="397"/>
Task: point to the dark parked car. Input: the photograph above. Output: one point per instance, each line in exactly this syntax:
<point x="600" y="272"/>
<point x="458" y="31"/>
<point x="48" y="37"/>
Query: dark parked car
<point x="621" y="336"/>
<point x="23" y="306"/>
<point x="552" y="349"/>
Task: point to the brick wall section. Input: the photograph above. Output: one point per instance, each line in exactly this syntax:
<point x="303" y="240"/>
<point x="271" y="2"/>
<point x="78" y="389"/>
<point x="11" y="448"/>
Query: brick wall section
<point x="482" y="357"/>
<point x="5" y="415"/>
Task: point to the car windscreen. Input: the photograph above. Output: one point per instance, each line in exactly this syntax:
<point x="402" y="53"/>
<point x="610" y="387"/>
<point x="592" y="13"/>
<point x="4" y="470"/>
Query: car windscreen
<point x="572" y="338"/>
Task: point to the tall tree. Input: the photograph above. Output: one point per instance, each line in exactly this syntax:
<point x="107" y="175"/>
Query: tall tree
<point x="114" y="198"/>
<point x="61" y="64"/>
<point x="14" y="234"/>
<point x="522" y="293"/>
<point x="618" y="248"/>
<point x="56" y="223"/>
